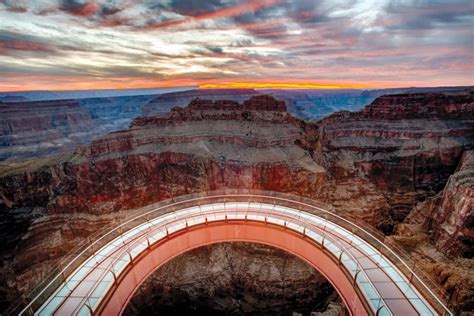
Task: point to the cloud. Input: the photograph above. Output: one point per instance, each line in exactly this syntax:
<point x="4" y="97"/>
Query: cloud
<point x="79" y="7"/>
<point x="427" y="15"/>
<point x="111" y="7"/>
<point x="11" y="43"/>
<point x="195" y="10"/>
<point x="16" y="6"/>
<point x="371" y="41"/>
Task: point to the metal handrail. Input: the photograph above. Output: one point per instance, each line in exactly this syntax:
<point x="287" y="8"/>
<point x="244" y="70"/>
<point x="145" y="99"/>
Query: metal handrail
<point x="73" y="260"/>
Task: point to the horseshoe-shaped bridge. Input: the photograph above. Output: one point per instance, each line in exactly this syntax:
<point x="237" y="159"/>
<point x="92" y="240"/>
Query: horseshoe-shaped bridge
<point x="370" y="277"/>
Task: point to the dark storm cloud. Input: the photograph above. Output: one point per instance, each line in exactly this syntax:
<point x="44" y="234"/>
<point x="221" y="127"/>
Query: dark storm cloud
<point x="110" y="8"/>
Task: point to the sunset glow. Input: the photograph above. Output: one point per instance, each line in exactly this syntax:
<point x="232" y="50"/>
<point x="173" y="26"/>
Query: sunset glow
<point x="279" y="85"/>
<point x="118" y="44"/>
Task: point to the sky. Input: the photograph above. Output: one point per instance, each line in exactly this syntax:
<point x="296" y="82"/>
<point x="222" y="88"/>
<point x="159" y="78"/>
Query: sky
<point x="119" y="44"/>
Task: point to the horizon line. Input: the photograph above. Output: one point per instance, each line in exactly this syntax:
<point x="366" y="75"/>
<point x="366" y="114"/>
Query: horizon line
<point x="245" y="85"/>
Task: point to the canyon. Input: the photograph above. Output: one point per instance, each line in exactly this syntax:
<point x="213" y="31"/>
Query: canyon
<point x="403" y="164"/>
<point x="37" y="124"/>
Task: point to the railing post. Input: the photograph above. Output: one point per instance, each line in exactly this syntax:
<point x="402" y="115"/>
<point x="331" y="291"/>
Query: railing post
<point x="148" y="243"/>
<point x="130" y="256"/>
<point x="113" y="274"/>
<point x="340" y="258"/>
<point x="355" y="277"/>
<point x="89" y="307"/>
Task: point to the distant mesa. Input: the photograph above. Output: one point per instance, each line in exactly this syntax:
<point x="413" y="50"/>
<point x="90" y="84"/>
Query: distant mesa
<point x="258" y="108"/>
<point x="255" y="103"/>
<point x="13" y="98"/>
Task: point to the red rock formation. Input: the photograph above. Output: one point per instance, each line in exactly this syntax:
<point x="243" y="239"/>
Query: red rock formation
<point x="377" y="168"/>
<point x="45" y="128"/>
<point x="453" y="219"/>
<point x="422" y="106"/>
<point x="408" y="158"/>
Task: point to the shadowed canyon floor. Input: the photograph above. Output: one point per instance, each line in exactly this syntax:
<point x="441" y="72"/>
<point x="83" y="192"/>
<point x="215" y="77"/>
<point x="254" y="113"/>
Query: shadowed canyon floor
<point x="404" y="164"/>
<point x="234" y="279"/>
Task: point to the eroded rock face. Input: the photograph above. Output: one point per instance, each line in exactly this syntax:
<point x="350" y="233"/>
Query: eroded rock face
<point x="453" y="218"/>
<point x="407" y="158"/>
<point x="45" y="128"/>
<point x="34" y="129"/>
<point x="233" y="279"/>
<point x="377" y="167"/>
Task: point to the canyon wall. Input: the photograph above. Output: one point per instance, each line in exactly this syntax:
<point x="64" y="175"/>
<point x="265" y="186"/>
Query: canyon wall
<point x="379" y="164"/>
<point x="453" y="216"/>
<point x="46" y="128"/>
<point x="31" y="129"/>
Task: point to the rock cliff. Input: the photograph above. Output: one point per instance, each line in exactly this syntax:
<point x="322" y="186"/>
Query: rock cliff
<point x="33" y="129"/>
<point x="453" y="218"/>
<point x="45" y="128"/>
<point x="389" y="144"/>
<point x="379" y="164"/>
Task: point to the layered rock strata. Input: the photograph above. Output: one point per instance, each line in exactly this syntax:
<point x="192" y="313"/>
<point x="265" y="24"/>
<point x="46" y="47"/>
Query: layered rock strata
<point x="34" y="129"/>
<point x="453" y="218"/>
<point x="408" y="158"/>
<point x="46" y="128"/>
<point x="374" y="164"/>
